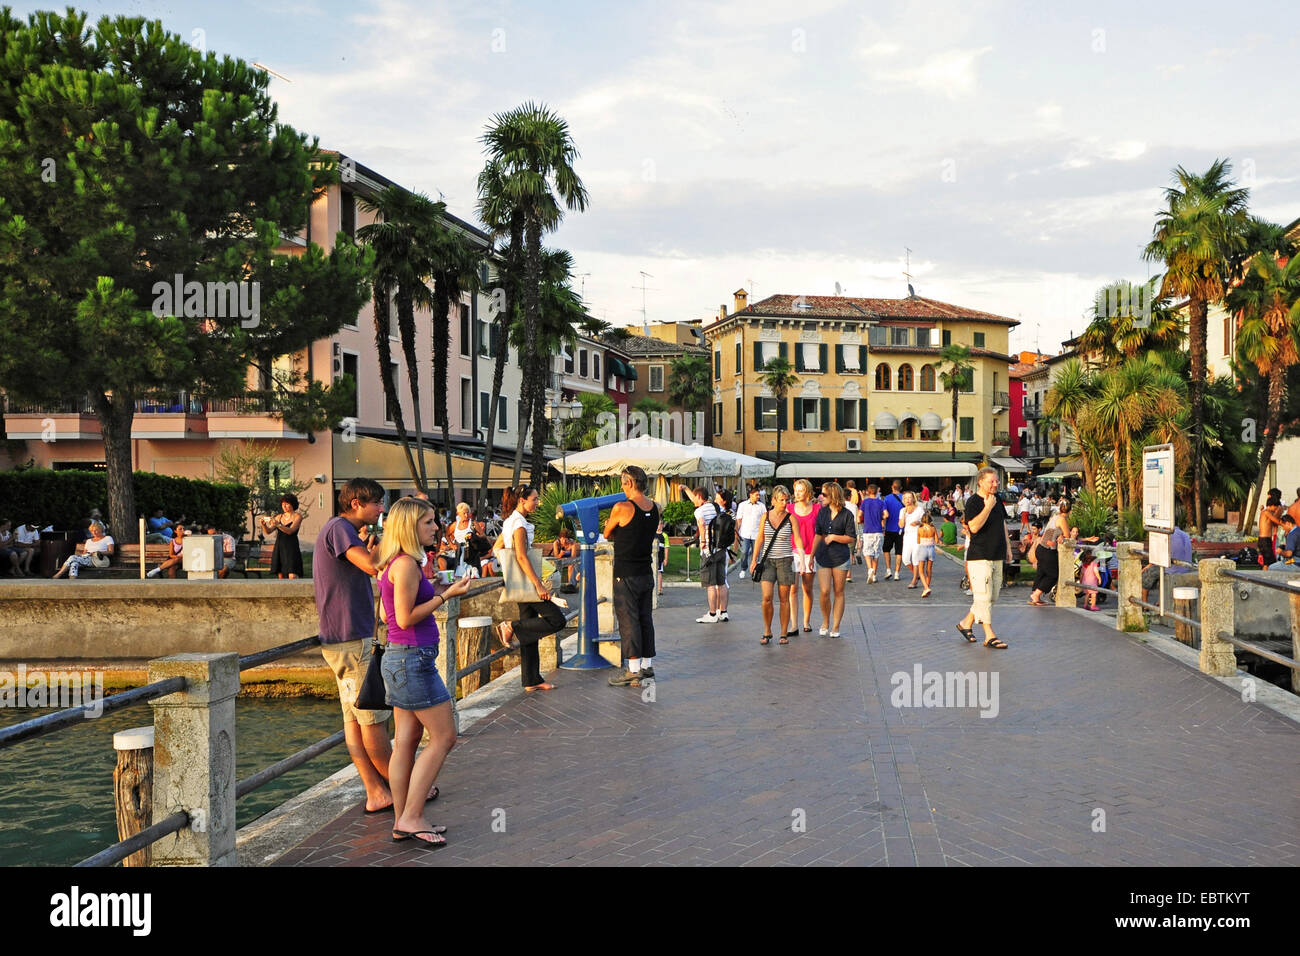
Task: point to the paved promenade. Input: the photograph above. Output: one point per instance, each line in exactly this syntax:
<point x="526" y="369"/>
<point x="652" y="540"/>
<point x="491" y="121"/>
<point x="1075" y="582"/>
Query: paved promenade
<point x="792" y="755"/>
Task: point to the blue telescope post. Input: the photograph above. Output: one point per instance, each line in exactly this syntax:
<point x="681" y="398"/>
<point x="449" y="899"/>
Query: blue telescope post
<point x="586" y="512"/>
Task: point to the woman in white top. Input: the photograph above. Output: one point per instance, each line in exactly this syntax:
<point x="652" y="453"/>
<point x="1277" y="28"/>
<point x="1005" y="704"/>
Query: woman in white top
<point x="98" y="550"/>
<point x="536" y="619"/>
<point x="911" y="520"/>
<point x="460" y="531"/>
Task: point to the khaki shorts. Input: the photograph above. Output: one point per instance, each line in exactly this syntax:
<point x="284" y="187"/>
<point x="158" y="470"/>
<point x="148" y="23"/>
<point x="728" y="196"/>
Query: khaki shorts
<point x="985" y="582"/>
<point x="349" y="661"/>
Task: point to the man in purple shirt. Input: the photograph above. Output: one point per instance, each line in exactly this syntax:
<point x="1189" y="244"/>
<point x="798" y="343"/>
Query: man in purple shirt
<point x="873" y="530"/>
<point x="342" y="569"/>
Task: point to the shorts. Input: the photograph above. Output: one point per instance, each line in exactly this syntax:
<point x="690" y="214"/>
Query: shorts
<point x="836" y="567"/>
<point x="411" y="679"/>
<point x="924" y="552"/>
<point x="872" y="542"/>
<point x="1150" y="578"/>
<point x="714" y="572"/>
<point x="780" y="571"/>
<point x="985" y="582"/>
<point x="349" y="661"/>
<point x="803" y="563"/>
<point x="228" y="564"/>
<point x="893" y="542"/>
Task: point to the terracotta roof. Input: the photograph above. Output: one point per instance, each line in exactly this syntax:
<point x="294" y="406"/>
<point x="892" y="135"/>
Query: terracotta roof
<point x="639" y="346"/>
<point x="835" y="306"/>
<point x="934" y="350"/>
<point x="1021" y="369"/>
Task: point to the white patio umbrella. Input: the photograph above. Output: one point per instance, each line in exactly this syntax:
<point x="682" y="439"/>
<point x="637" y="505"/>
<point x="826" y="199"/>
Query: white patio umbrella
<point x="656" y="455"/>
<point x="735" y="465"/>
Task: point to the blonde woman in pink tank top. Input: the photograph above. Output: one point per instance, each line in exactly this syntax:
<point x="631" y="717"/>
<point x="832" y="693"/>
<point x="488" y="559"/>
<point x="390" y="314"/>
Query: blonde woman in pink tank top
<point x="804" y="514"/>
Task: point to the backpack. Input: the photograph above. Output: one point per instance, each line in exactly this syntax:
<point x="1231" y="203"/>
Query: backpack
<point x="722" y="531"/>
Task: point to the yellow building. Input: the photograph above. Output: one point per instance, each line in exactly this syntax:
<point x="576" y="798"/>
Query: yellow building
<point x="870" y="401"/>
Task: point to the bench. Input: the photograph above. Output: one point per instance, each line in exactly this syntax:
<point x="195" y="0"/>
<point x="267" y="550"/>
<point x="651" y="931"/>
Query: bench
<point x="126" y="558"/>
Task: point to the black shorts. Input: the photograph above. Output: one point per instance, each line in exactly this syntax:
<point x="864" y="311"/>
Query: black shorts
<point x="893" y="542"/>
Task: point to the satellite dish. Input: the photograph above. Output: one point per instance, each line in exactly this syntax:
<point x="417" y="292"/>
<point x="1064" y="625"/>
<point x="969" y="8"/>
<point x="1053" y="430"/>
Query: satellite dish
<point x="910" y="291"/>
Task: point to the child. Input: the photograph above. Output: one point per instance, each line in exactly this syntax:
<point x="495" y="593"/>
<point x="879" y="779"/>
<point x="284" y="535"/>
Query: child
<point x="925" y="541"/>
<point x="1090" y="575"/>
<point x="1029" y="543"/>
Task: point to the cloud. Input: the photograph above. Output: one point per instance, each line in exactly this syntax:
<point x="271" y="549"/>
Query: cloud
<point x="951" y="73"/>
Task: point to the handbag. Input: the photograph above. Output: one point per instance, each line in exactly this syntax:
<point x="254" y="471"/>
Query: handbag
<point x="762" y="562"/>
<point x="372" y="695"/>
<point x="518" y="588"/>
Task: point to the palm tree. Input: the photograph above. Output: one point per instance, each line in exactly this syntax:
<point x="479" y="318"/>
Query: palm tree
<point x="453" y="266"/>
<point x="1115" y="334"/>
<point x="779" y="377"/>
<point x="1268" y="303"/>
<point x="583" y="432"/>
<point x="1198" y="236"/>
<point x="956" y="377"/>
<point x="534" y="155"/>
<point x="1067" y="400"/>
<point x="690" y="388"/>
<point x="402" y="239"/>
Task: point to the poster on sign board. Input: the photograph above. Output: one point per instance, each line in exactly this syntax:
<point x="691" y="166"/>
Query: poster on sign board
<point x="1158" y="488"/>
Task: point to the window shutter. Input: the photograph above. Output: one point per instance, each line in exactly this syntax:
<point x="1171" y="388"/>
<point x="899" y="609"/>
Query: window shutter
<point x="758" y="356"/>
<point x="783" y="353"/>
<point x="862" y="414"/>
<point x="758" y="412"/>
<point x="781" y="418"/>
<point x="798" y="414"/>
<point x="839" y="360"/>
<point x="839" y="407"/>
<point x="821" y="352"/>
<point x="862" y="358"/>
<point x="824" y="419"/>
<point x="798" y="356"/>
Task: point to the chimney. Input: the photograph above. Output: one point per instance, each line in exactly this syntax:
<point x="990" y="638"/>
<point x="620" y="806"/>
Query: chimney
<point x="742" y="298"/>
<point x="722" y="312"/>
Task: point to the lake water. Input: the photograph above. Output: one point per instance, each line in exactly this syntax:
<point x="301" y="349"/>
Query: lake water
<point x="56" y="791"/>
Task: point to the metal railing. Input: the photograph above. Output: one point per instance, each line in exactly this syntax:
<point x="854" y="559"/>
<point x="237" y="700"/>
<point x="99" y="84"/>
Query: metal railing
<point x="1033" y="412"/>
<point x="70" y="406"/>
<point x="1002" y="399"/>
<point x="254" y="403"/>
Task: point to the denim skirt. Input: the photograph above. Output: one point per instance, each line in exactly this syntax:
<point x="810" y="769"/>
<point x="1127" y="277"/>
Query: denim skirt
<point x="411" y="677"/>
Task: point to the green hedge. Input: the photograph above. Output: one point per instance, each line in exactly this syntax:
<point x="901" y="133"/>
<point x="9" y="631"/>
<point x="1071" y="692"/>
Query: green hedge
<point x="64" y="498"/>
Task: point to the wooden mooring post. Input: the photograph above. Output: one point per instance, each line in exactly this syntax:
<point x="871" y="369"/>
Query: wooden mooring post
<point x="133" y="787"/>
<point x="1184" y="604"/>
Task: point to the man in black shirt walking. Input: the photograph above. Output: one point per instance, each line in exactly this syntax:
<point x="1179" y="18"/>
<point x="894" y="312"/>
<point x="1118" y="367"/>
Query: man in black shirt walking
<point x="632" y="526"/>
<point x="989" y="548"/>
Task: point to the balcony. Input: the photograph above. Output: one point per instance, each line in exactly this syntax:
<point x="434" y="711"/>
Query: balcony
<point x="248" y="416"/>
<point x="1033" y="412"/>
<point x="1002" y="438"/>
<point x="178" y="416"/>
<point x="1002" y="401"/>
<point x="72" y="419"/>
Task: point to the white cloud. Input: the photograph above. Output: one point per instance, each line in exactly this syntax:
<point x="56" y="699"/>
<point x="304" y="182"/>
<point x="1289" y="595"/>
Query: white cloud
<point x="951" y="73"/>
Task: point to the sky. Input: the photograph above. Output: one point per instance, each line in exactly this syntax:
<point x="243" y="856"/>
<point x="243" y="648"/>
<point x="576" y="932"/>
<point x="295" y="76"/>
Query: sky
<point x="1019" y="150"/>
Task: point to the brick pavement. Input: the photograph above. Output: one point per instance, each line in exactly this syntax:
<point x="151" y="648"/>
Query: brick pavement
<point x="743" y="743"/>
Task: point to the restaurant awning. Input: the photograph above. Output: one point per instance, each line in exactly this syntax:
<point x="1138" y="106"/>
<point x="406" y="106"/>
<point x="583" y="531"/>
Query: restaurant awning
<point x="878" y="469"/>
<point x="384" y="460"/>
<point x="1011" y="464"/>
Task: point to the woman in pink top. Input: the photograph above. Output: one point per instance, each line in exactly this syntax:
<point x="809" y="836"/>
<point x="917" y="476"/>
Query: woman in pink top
<point x="417" y="694"/>
<point x="804" y="514"/>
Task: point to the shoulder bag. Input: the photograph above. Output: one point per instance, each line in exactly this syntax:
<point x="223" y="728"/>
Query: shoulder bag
<point x="372" y="695"/>
<point x="518" y="589"/>
<point x="762" y="562"/>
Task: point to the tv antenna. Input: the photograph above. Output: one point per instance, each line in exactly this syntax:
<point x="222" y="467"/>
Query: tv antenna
<point x="582" y="294"/>
<point x="266" y="69"/>
<point x="907" y="270"/>
<point x="645" y="323"/>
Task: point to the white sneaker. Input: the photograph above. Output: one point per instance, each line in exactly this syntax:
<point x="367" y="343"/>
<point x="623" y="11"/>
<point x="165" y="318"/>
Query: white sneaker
<point x="871" y="577"/>
<point x="742" y="575"/>
<point x="886" y="577"/>
<point x="822" y="632"/>
<point x="154" y="573"/>
<point x="707" y="619"/>
<point x="722" y="616"/>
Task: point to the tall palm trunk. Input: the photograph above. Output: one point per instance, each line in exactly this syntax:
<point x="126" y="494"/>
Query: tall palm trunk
<point x="406" y="329"/>
<point x="1197" y="310"/>
<point x="1276" y="399"/>
<point x="525" y="423"/>
<point x="955" y="422"/>
<point x="498" y="376"/>
<point x="1120" y="477"/>
<point x="441" y="338"/>
<point x="382" y="345"/>
<point x="540" y="431"/>
<point x="532" y="322"/>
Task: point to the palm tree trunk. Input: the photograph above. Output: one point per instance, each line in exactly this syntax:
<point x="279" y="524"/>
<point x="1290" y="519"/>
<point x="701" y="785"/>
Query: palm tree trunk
<point x="498" y="375"/>
<point x="532" y="321"/>
<point x="383" y="346"/>
<point x="1119" y="480"/>
<point x="406" y="323"/>
<point x="778" y="450"/>
<point x="1276" y="398"/>
<point x="1198" y="309"/>
<point x="955" y="422"/>
<point x="441" y="338"/>
<point x="540" y="431"/>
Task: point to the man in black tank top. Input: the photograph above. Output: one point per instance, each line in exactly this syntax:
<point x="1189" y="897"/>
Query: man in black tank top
<point x="632" y="525"/>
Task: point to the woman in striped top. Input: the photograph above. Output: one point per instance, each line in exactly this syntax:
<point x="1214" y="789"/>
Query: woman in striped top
<point x="778" y="563"/>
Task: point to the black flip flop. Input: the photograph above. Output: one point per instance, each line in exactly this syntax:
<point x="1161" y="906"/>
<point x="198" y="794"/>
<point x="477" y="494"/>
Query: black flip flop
<point x="966" y="632"/>
<point x="400" y="836"/>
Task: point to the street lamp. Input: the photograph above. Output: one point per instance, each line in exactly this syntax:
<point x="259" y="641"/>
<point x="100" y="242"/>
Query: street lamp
<point x="559" y="412"/>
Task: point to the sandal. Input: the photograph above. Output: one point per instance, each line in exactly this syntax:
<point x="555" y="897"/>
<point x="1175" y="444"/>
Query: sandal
<point x="766" y="639"/>
<point x="501" y="633"/>
<point x="431" y="844"/>
<point x="925" y="593"/>
<point x="1038" y="604"/>
<point x="996" y="644"/>
<point x="400" y="835"/>
<point x="967" y="632"/>
<point x="784" y="639"/>
<point x="807" y="629"/>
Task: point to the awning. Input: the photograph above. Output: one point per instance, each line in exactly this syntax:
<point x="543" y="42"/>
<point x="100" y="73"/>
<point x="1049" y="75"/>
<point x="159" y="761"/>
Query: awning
<point x="1011" y="464"/>
<point x="885" y="421"/>
<point x="930" y="422"/>
<point x="384" y="460"/>
<point x="631" y="371"/>
<point x="878" y="469"/>
<point x="1070" y="468"/>
<point x="621" y="369"/>
<point x="908" y="417"/>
